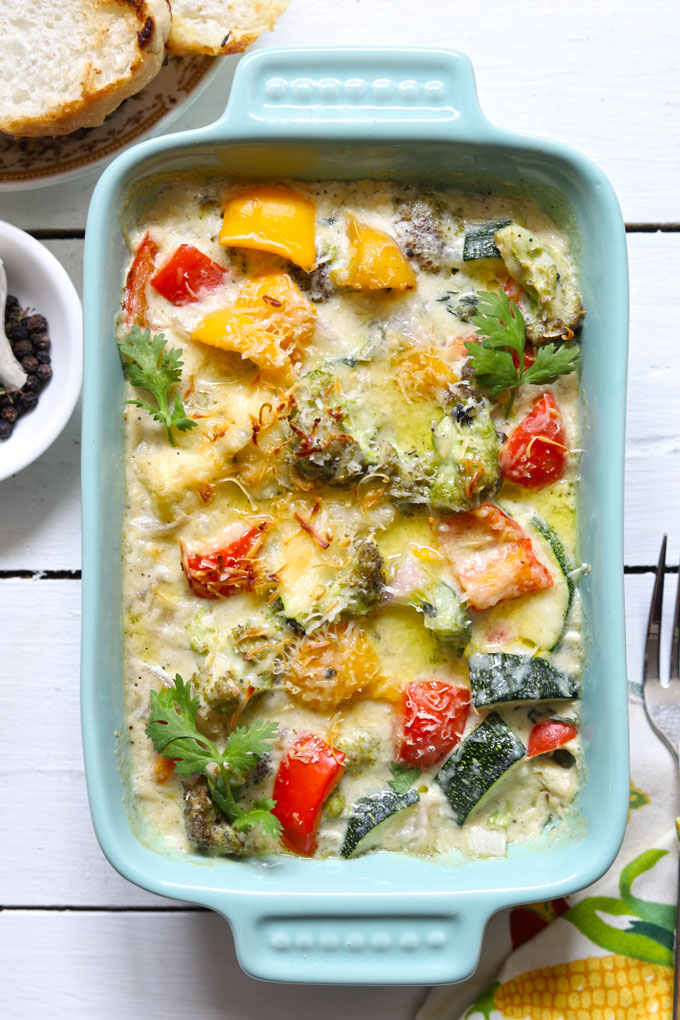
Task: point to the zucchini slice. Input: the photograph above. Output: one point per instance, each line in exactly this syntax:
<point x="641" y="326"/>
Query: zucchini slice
<point x="539" y="619"/>
<point x="559" y="552"/>
<point x="367" y="816"/>
<point x="479" y="241"/>
<point x="478" y="764"/>
<point x="500" y="679"/>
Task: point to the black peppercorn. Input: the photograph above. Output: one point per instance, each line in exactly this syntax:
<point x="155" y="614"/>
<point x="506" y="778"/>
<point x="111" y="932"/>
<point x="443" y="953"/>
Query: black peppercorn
<point x="23" y="349"/>
<point x="28" y="400"/>
<point x="30" y="343"/>
<point x="15" y="331"/>
<point x="36" y="323"/>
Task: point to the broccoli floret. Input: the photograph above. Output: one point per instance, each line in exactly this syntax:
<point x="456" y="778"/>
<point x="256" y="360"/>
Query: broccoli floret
<point x="218" y="693"/>
<point x="547" y="278"/>
<point x="466" y="445"/>
<point x="410" y="474"/>
<point x="205" y="824"/>
<point x="444" y="615"/>
<point x="363" y="580"/>
<point x="201" y="632"/>
<point x="323" y="447"/>
<point x="355" y="591"/>
<point x="248" y="665"/>
<point x="362" y="750"/>
<point x="335" y="806"/>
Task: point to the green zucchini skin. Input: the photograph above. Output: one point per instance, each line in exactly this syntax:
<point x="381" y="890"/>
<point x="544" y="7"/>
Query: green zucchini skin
<point x="560" y="553"/>
<point x="497" y="678"/>
<point x="479" y="241"/>
<point x="477" y="764"/>
<point x="369" y="812"/>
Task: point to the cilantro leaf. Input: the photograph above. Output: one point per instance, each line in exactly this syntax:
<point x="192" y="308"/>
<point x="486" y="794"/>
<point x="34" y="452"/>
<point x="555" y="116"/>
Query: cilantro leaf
<point x="246" y="746"/>
<point x="172" y="728"/>
<point x="147" y="363"/>
<point x="495" y="370"/>
<point x="550" y="363"/>
<point x="500" y="321"/>
<point x="404" y="777"/>
<point x="497" y="360"/>
<point x="173" y="731"/>
<point x="260" y="814"/>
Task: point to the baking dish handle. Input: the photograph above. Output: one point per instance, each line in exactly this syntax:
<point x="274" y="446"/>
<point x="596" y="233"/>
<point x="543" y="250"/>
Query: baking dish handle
<point x="357" y="93"/>
<point x="359" y="939"/>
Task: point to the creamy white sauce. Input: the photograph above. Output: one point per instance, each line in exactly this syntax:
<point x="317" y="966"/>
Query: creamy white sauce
<point x="190" y="495"/>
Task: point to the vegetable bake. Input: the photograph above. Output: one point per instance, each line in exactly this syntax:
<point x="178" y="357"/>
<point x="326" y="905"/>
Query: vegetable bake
<point x="352" y="619"/>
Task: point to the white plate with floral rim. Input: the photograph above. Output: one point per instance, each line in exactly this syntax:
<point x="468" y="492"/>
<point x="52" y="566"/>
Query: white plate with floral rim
<point x="35" y="162"/>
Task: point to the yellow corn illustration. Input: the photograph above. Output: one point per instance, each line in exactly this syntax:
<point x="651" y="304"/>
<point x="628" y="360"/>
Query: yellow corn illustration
<point x="611" y="987"/>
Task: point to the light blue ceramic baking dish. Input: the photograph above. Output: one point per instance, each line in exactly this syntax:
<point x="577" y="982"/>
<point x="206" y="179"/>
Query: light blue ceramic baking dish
<point x="352" y="114"/>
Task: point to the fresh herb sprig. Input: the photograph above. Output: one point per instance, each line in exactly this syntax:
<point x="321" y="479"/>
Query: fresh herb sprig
<point x="403" y="777"/>
<point x="501" y="326"/>
<point x="146" y="363"/>
<point x="172" y="728"/>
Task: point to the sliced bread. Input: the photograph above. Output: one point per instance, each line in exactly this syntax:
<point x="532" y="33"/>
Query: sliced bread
<point x="221" y="26"/>
<point x="66" y="64"/>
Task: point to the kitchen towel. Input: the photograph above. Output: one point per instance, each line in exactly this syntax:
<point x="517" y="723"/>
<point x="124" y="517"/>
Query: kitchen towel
<point x="605" y="953"/>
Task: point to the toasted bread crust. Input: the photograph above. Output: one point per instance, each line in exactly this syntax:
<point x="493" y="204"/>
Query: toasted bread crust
<point x="96" y="103"/>
<point x="235" y="33"/>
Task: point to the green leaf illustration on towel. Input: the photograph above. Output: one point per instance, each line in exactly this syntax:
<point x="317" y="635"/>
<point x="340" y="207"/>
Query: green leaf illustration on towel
<point x="649" y="935"/>
<point x="485" y="1002"/>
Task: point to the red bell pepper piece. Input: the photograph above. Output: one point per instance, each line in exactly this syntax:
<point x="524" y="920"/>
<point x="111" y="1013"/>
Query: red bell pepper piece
<point x="536" y="453"/>
<point x="139" y="274"/>
<point x="434" y="717"/>
<point x="547" y="735"/>
<point x="219" y="573"/>
<point x="309" y="771"/>
<point x="186" y="274"/>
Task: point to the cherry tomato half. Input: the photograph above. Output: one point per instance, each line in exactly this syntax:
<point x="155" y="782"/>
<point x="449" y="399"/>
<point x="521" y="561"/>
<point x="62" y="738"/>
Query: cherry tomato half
<point x="535" y="455"/>
<point x="434" y="717"/>
<point x="548" y="735"/>
<point x="218" y="573"/>
<point x="186" y="274"/>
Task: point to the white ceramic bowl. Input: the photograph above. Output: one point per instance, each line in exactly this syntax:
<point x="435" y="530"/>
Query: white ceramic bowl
<point x="40" y="282"/>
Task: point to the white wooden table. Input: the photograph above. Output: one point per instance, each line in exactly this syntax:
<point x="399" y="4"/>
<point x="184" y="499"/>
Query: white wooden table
<point x="76" y="940"/>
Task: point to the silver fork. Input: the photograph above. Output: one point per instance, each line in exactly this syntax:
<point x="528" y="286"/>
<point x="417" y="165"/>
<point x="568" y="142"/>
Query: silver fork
<point x="662" y="705"/>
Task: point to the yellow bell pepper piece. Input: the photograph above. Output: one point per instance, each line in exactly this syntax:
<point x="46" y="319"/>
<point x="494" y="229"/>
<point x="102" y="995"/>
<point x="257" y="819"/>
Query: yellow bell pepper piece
<point x="376" y="261"/>
<point x="269" y="320"/>
<point x="270" y="218"/>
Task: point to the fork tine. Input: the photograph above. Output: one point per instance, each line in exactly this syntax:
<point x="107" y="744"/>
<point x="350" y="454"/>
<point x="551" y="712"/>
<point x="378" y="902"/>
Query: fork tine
<point x="675" y="646"/>
<point x="651" y="666"/>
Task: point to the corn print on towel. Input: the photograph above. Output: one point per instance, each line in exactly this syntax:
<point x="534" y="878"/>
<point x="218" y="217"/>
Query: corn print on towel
<point x="604" y="954"/>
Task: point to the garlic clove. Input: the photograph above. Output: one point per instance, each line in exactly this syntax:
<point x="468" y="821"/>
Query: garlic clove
<point x="12" y="375"/>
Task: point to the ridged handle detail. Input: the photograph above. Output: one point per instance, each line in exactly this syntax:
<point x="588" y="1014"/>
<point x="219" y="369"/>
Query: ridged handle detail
<point x="358" y="88"/>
